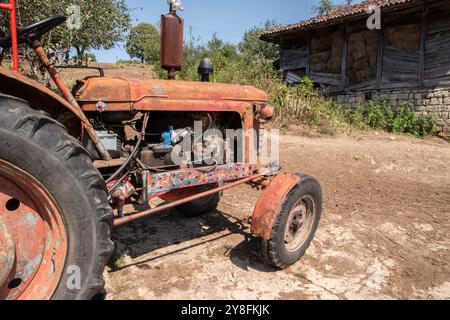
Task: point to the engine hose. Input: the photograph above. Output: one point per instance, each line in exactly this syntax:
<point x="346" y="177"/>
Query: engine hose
<point x="125" y="165"/>
<point x="209" y="170"/>
<point x="134" y="153"/>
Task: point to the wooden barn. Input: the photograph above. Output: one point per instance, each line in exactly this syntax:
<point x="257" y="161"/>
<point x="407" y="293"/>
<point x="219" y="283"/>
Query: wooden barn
<point x="410" y="53"/>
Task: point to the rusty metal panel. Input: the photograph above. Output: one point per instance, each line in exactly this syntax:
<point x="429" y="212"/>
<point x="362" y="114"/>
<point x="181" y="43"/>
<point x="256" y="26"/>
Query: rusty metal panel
<point x="123" y="94"/>
<point x="140" y="215"/>
<point x="17" y="85"/>
<point x="114" y="91"/>
<point x="163" y="183"/>
<point x="270" y="203"/>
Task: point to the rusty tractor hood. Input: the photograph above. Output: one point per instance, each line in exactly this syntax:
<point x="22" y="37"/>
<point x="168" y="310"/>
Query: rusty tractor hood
<point x="129" y="93"/>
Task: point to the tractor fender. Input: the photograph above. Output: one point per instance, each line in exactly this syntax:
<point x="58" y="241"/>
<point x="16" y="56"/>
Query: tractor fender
<point x="270" y="203"/>
<point x="39" y="97"/>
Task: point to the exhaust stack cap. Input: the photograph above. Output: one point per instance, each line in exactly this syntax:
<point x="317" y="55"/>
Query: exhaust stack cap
<point x="175" y="5"/>
<point x="205" y="69"/>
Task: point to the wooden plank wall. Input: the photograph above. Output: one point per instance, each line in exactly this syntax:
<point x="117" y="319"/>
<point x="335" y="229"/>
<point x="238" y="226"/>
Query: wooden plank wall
<point x="400" y="67"/>
<point x="437" y="46"/>
<point x="402" y="48"/>
<point x="292" y="59"/>
<point x="413" y="51"/>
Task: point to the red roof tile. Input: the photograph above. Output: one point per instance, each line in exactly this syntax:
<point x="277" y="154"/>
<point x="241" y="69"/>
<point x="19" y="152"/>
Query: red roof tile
<point x="336" y="15"/>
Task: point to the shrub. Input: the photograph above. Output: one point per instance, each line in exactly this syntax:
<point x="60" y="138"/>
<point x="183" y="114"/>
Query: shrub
<point x="301" y="103"/>
<point x="376" y="115"/>
<point x="399" y="120"/>
<point x="404" y="120"/>
<point x="357" y="118"/>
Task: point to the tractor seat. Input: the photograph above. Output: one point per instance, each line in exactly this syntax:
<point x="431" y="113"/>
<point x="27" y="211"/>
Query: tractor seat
<point x="33" y="32"/>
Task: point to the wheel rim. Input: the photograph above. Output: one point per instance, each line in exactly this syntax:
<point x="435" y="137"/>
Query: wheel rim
<point x="300" y="223"/>
<point x="35" y="237"/>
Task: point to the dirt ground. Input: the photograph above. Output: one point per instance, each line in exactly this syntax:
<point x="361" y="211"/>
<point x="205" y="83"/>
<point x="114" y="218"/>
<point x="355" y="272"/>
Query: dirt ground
<point x="384" y="232"/>
<point x="110" y="69"/>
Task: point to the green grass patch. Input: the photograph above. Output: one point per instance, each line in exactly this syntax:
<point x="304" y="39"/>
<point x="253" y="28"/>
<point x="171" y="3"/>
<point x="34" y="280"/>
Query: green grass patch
<point x="402" y="119"/>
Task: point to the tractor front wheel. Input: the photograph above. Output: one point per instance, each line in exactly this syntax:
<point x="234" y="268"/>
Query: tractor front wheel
<point x="55" y="220"/>
<point x="295" y="225"/>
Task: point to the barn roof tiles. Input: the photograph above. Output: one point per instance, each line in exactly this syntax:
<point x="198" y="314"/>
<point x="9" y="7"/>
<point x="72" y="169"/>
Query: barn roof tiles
<point x="335" y="16"/>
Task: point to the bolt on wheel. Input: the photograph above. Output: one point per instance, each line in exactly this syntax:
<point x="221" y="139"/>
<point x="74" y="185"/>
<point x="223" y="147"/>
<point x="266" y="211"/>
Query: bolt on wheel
<point x="299" y="223"/>
<point x="295" y="225"/>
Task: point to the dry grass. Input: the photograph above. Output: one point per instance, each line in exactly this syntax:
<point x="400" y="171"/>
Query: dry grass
<point x="113" y="70"/>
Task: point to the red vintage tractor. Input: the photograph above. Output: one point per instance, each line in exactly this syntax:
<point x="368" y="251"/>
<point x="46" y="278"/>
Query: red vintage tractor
<point x="70" y="163"/>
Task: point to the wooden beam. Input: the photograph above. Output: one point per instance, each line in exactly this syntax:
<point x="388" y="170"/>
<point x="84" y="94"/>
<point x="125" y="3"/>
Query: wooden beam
<point x="326" y="78"/>
<point x="281" y="48"/>
<point x="423" y="39"/>
<point x="380" y="57"/>
<point x="308" y="54"/>
<point x="344" y="57"/>
<point x="367" y="85"/>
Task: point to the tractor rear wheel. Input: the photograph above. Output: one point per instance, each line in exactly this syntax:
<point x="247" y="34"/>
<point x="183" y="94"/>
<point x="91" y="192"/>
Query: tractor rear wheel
<point x="55" y="220"/>
<point x="202" y="206"/>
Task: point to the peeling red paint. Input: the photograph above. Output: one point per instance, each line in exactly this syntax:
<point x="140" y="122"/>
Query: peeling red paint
<point x="7" y="253"/>
<point x="163" y="183"/>
<point x="270" y="202"/>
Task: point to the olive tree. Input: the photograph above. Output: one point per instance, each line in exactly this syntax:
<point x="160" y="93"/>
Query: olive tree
<point x="99" y="24"/>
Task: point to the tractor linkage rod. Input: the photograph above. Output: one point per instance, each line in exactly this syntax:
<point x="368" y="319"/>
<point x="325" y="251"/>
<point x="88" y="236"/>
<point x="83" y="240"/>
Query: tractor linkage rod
<point x="121" y="221"/>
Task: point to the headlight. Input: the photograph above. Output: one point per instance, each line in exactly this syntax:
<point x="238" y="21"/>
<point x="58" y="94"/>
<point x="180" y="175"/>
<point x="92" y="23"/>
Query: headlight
<point x="266" y="112"/>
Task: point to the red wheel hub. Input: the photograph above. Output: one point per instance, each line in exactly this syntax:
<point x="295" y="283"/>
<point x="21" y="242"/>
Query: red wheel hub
<point x="7" y="253"/>
<point x="300" y="223"/>
<point x="32" y="236"/>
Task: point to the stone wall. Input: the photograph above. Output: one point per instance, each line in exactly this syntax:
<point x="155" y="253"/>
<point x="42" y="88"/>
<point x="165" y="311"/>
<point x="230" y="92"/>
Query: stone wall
<point x="434" y="103"/>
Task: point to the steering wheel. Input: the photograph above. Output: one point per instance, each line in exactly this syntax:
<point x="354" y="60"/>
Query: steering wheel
<point x="33" y="32"/>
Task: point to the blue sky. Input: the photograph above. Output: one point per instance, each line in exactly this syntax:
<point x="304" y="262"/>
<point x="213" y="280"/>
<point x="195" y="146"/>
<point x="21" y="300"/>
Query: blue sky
<point x="228" y="18"/>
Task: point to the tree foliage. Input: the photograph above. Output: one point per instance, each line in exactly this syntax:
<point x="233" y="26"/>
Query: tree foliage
<point x="253" y="48"/>
<point x="102" y="23"/>
<point x="326" y="6"/>
<point x="143" y="43"/>
<point x="249" y="62"/>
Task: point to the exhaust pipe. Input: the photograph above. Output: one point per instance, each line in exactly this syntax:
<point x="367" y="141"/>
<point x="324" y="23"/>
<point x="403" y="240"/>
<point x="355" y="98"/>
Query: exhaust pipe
<point x="172" y="28"/>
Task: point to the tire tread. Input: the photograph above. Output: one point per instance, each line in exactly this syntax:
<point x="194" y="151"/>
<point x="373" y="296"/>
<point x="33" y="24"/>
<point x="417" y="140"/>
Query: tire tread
<point x="37" y="126"/>
<point x="269" y="248"/>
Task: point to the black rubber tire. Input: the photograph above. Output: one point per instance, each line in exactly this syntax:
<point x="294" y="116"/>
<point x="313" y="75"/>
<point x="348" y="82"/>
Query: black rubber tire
<point x="200" y="207"/>
<point x="274" y="250"/>
<point x="39" y="145"/>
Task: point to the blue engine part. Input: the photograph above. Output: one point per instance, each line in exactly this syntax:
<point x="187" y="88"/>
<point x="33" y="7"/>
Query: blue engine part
<point x="167" y="137"/>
